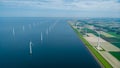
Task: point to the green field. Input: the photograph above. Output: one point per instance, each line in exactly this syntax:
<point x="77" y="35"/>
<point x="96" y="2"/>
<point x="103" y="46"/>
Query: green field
<point x="113" y="40"/>
<point x="107" y="34"/>
<point x="93" y="51"/>
<point x="117" y="44"/>
<point x="116" y="55"/>
<point x="114" y="34"/>
<point x="90" y="31"/>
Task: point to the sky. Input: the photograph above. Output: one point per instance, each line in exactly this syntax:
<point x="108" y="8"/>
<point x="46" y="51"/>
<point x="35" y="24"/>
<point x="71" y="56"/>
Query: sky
<point x="60" y="8"/>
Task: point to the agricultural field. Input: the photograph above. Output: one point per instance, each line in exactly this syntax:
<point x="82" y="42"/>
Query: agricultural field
<point x="116" y="54"/>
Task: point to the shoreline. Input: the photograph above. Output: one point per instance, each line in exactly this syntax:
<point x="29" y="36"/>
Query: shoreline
<point x="99" y="58"/>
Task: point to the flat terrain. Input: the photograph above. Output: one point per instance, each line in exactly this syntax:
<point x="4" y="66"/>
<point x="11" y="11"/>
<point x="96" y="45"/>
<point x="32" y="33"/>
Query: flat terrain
<point x="116" y="54"/>
<point x="101" y="60"/>
<point x="92" y="39"/>
<point x="106" y="34"/>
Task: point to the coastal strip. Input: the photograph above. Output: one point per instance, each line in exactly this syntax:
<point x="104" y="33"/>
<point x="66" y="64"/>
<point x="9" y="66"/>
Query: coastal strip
<point x="102" y="61"/>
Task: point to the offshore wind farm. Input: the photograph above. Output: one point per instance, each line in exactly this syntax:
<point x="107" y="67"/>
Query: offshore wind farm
<point x="55" y="47"/>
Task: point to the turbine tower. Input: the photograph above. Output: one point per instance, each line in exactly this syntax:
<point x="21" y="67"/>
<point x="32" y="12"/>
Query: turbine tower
<point x="98" y="43"/>
<point x="86" y="30"/>
<point x="30" y="45"/>
<point x="23" y="28"/>
<point x="13" y="31"/>
<point x="47" y="31"/>
<point x="41" y="36"/>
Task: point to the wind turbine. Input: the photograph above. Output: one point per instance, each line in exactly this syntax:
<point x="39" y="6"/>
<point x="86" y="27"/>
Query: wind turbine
<point x="47" y="31"/>
<point x="41" y="36"/>
<point x="13" y="31"/>
<point x="98" y="43"/>
<point x="86" y="30"/>
<point x="23" y="27"/>
<point x="30" y="46"/>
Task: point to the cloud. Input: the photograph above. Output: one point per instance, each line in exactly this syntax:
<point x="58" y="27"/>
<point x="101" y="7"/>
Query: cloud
<point x="97" y="5"/>
<point x="85" y="8"/>
<point x="65" y="4"/>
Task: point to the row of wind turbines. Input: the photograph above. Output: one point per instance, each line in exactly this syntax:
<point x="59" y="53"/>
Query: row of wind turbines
<point x="41" y="34"/>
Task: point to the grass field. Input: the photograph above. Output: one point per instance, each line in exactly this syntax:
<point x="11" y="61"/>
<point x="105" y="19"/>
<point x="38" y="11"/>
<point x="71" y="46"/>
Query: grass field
<point x="113" y="40"/>
<point x="90" y="31"/>
<point x="93" y="51"/>
<point x="117" y="44"/>
<point x="108" y="37"/>
<point x="107" y="34"/>
<point x="111" y="37"/>
<point x="116" y="55"/>
<point x="114" y="34"/>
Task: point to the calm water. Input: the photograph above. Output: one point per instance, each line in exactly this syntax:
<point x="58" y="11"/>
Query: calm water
<point x="59" y="48"/>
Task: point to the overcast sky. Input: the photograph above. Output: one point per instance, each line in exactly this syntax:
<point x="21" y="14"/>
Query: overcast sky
<point x="60" y="8"/>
